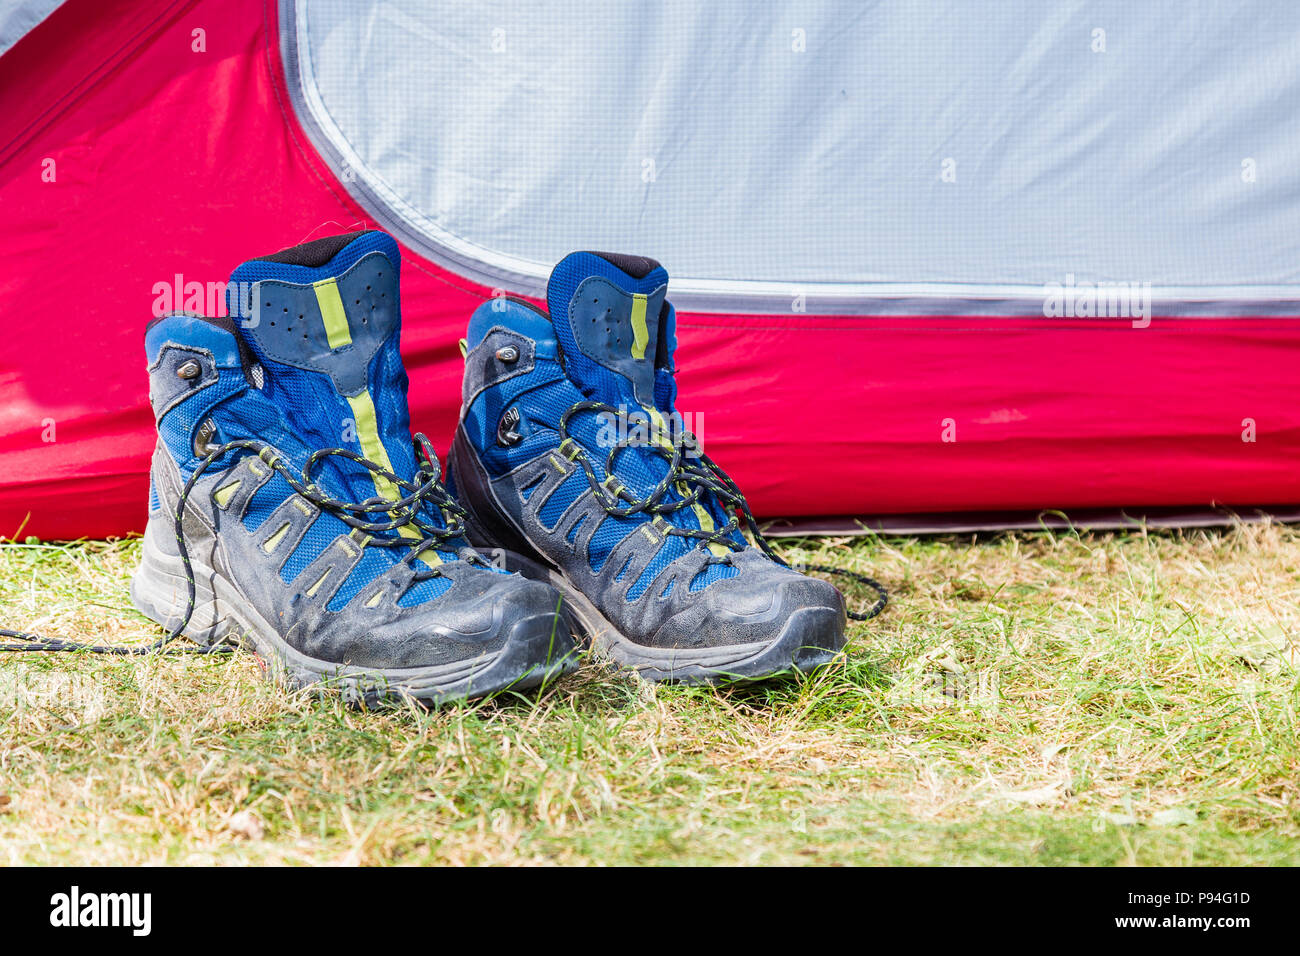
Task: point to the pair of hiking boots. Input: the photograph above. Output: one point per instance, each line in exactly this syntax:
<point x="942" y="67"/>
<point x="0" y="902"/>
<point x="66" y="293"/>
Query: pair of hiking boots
<point x="292" y="510"/>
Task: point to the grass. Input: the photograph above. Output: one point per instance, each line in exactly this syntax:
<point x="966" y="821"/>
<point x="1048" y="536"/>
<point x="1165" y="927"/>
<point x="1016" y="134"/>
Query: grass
<point x="1031" y="698"/>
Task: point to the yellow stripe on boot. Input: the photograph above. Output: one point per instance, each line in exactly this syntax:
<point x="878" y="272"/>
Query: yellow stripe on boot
<point x="366" y="421"/>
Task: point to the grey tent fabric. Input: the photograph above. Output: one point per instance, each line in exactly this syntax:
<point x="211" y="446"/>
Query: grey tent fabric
<point x="933" y="155"/>
<point x="18" y="17"/>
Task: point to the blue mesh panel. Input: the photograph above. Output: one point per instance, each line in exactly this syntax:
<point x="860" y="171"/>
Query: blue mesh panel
<point x="562" y="497"/>
<point x="257" y="418"/>
<point x="318" y="537"/>
<point x="373" y="563"/>
<point x="388" y="391"/>
<point x="316" y="413"/>
<point x="668" y="590"/>
<point x="313" y="408"/>
<point x="424" y="591"/>
<point x="608" y="534"/>
<point x="541" y="395"/>
<point x="176" y="428"/>
<point x="714" y="572"/>
<point x="265" y="500"/>
<point x="672" y="549"/>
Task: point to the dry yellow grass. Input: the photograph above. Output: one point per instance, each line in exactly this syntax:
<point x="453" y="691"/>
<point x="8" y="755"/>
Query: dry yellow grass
<point x="1055" y="698"/>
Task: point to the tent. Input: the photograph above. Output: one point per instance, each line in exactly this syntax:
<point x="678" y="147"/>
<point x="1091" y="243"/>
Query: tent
<point x="930" y="259"/>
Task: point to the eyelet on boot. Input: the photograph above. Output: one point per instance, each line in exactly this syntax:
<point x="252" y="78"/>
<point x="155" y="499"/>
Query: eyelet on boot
<point x="507" y="353"/>
<point x="204" y="438"/>
<point x="189" y="369"/>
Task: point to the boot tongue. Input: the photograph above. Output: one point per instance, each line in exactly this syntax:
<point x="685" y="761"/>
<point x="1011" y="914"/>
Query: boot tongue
<point x="606" y="311"/>
<point x="323" y="319"/>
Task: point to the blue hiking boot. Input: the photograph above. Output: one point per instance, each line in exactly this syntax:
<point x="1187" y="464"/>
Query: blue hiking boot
<point x="291" y="510"/>
<point x="571" y="462"/>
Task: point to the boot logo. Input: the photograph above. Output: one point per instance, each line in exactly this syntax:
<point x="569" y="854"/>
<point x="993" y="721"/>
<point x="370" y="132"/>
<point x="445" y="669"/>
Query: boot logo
<point x="507" y="429"/>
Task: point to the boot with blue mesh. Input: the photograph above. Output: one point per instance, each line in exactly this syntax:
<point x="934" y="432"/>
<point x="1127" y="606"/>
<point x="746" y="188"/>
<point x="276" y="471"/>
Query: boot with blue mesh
<point x="291" y="510"/>
<point x="572" y="464"/>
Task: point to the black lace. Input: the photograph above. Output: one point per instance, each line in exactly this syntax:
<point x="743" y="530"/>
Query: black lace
<point x="693" y="474"/>
<point x="426" y="489"/>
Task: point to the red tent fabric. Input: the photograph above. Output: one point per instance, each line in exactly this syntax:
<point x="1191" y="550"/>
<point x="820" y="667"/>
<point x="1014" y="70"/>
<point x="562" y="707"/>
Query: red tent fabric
<point x="132" y="162"/>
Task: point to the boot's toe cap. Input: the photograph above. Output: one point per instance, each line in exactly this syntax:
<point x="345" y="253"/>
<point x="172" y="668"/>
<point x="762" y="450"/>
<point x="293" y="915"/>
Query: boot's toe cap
<point x="475" y="624"/>
<point x="762" y="611"/>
